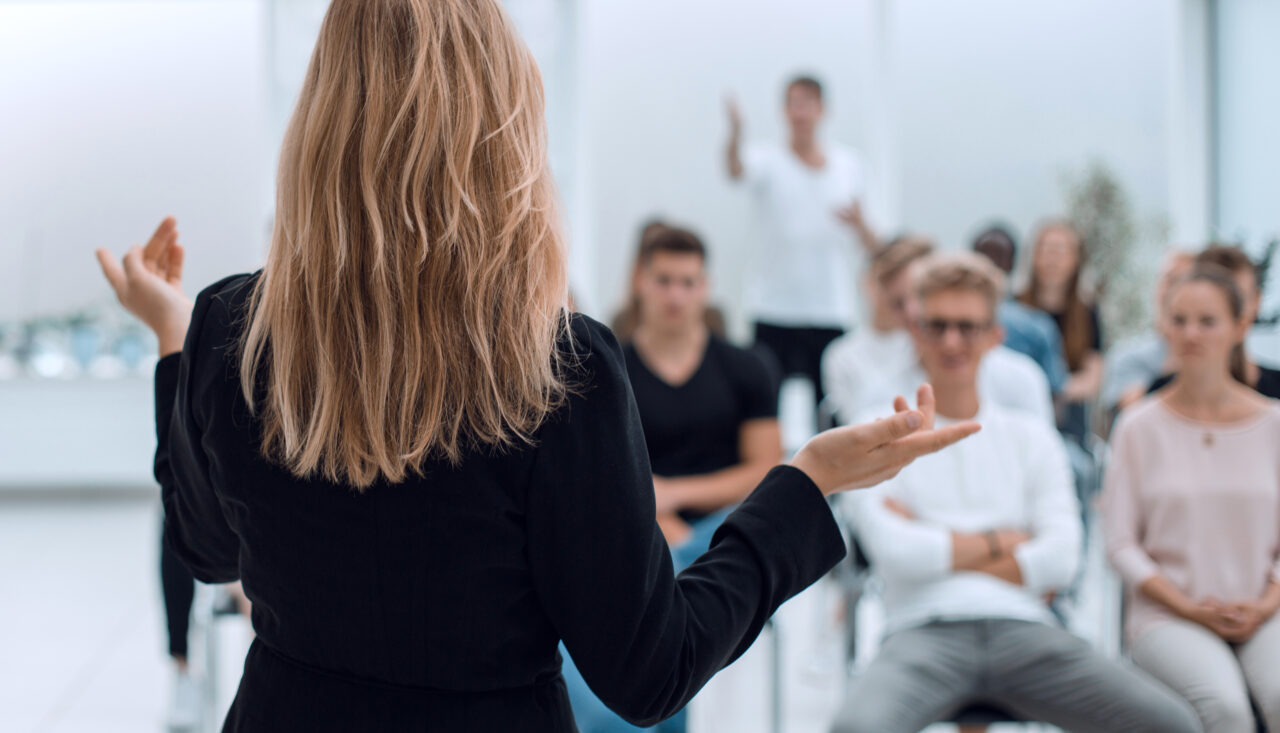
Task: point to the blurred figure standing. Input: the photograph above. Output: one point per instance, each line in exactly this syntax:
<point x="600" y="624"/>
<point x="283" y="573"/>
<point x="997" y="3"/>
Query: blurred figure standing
<point x="809" y="194"/>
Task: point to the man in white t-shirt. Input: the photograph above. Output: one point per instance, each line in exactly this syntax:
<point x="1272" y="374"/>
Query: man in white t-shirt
<point x="869" y="367"/>
<point x="808" y="195"/>
<point x="969" y="541"/>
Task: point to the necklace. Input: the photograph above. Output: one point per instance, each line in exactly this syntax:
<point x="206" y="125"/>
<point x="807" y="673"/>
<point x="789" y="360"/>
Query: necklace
<point x="1208" y="439"/>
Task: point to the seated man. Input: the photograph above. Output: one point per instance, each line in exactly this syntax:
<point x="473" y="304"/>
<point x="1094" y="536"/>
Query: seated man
<point x="968" y="543"/>
<point x="865" y="369"/>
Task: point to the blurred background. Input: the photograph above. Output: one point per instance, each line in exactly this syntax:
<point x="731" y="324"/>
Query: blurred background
<point x="1156" y="118"/>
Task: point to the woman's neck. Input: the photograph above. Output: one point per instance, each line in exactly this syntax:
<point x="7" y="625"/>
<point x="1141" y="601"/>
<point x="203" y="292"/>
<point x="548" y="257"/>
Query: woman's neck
<point x="1052" y="298"/>
<point x="1205" y="394"/>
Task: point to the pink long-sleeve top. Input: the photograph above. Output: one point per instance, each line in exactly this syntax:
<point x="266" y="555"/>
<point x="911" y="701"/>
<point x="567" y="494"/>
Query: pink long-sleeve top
<point x="1196" y="502"/>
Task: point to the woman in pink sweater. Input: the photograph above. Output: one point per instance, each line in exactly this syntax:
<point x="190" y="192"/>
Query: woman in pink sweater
<point x="1191" y="510"/>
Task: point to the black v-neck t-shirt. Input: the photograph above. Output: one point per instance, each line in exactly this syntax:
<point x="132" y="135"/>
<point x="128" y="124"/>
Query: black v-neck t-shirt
<point x="694" y="428"/>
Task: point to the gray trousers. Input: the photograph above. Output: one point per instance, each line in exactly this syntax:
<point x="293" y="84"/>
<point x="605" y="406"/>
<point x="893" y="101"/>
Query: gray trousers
<point x="1216" y="677"/>
<point x="1038" y="672"/>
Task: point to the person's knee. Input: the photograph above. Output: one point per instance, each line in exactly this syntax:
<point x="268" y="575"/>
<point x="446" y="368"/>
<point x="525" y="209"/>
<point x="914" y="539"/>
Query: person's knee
<point x="1174" y="715"/>
<point x="1226" y="712"/>
<point x="1159" y="709"/>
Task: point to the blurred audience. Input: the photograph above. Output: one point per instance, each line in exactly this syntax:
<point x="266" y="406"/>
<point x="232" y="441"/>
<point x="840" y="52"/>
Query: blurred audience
<point x="709" y="411"/>
<point x="1026" y="330"/>
<point x="1134" y="363"/>
<point x="809" y="195"/>
<point x="1191" y="510"/>
<point x="969" y="541"/>
<point x="1244" y="273"/>
<point x="1057" y="262"/>
<point x="871" y="366"/>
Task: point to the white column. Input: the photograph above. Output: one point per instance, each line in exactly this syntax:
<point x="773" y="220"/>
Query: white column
<point x="1190" y="133"/>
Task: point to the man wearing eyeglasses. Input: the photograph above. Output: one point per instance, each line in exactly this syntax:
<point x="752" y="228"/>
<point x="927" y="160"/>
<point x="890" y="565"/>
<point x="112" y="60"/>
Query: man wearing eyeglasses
<point x="968" y="542"/>
<point x="865" y="369"/>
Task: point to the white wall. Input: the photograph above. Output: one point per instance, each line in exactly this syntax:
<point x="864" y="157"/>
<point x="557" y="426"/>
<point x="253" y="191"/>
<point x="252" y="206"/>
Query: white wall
<point x="995" y="100"/>
<point x="1248" y="152"/>
<point x="1248" y="58"/>
<point x="114" y="115"/>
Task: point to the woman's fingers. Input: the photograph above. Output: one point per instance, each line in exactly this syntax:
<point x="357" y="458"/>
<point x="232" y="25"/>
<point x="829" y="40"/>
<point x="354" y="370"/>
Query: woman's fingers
<point x="112" y="271"/>
<point x="926" y="405"/>
<point x="889" y="429"/>
<point x="900" y="404"/>
<point x="165" y="235"/>
<point x="173" y="274"/>
<point x="134" y="267"/>
<point x="907" y="449"/>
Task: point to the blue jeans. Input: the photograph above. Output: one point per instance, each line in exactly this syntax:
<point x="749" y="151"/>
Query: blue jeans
<point x="591" y="714"/>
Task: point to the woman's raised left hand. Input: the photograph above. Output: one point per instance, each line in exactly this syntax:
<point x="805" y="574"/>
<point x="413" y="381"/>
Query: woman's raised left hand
<point x="148" y="283"/>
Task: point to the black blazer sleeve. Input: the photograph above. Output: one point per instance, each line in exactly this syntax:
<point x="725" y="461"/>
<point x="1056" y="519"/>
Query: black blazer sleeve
<point x="644" y="640"/>
<point x="195" y="519"/>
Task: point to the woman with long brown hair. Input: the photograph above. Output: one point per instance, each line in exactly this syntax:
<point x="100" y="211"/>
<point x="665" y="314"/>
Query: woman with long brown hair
<point x="1057" y="261"/>
<point x="423" y="468"/>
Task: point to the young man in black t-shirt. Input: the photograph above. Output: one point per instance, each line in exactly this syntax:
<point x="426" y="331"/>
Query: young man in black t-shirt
<point x="709" y="412"/>
<point x="709" y="409"/>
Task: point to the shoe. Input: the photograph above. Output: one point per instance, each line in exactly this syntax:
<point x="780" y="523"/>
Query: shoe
<point x="184" y="704"/>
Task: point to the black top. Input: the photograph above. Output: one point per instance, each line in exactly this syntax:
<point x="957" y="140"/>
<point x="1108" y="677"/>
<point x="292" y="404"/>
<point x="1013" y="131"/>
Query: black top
<point x="694" y="428"/>
<point x="1268" y="382"/>
<point x="1095" y="341"/>
<point x="436" y="604"/>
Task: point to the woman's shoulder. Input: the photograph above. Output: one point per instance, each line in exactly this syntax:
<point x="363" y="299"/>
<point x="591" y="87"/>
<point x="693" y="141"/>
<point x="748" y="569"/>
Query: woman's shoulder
<point x="1145" y="412"/>
<point x="585" y="334"/>
<point x="591" y="353"/>
<point x="222" y="304"/>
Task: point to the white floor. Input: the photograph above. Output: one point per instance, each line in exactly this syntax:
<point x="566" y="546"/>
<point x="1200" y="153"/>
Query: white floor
<point x="82" y="647"/>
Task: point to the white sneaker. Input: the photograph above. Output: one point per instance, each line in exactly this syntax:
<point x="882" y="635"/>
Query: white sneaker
<point x="184" y="704"/>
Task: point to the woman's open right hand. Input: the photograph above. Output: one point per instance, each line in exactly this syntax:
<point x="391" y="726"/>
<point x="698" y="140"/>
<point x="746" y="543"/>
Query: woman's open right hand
<point x="861" y="456"/>
<point x="148" y="283"/>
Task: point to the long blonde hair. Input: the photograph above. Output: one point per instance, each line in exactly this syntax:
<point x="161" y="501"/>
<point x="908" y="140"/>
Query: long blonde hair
<point x="413" y="298"/>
